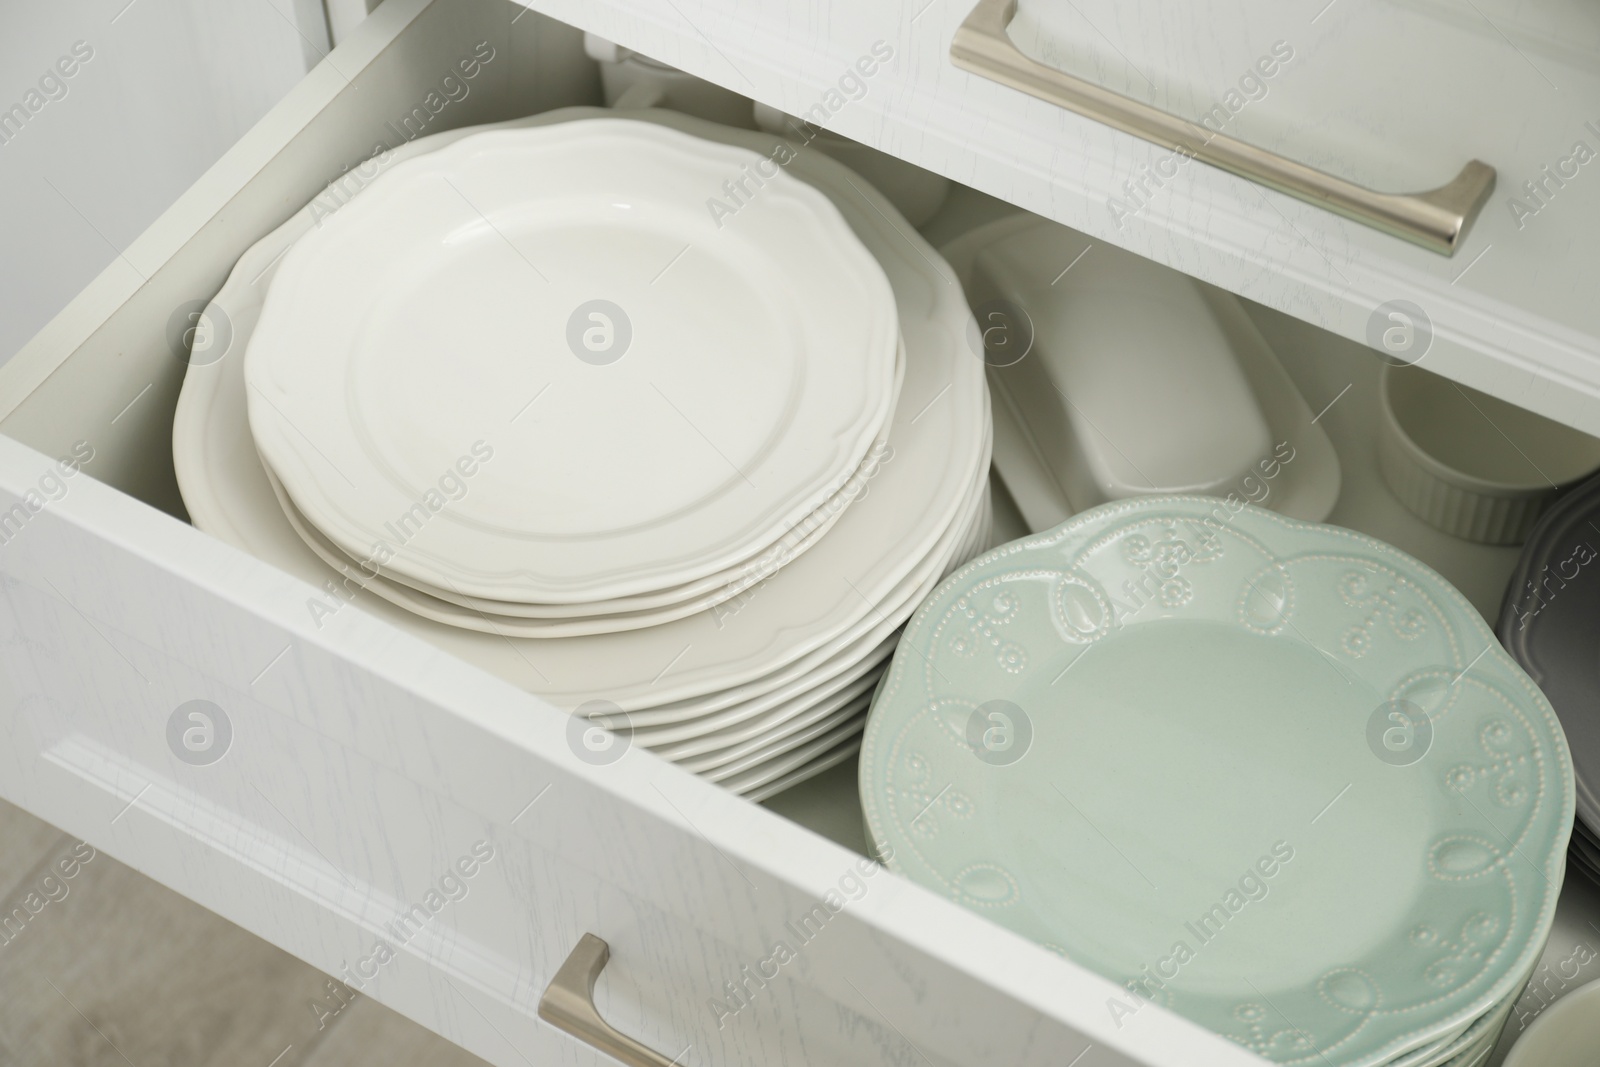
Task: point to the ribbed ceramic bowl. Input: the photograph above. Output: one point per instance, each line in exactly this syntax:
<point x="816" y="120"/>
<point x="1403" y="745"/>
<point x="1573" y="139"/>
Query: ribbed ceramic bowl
<point x="1469" y="464"/>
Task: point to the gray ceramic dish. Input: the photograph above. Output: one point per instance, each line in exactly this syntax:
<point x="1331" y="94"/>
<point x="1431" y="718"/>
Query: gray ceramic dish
<point x="1550" y="623"/>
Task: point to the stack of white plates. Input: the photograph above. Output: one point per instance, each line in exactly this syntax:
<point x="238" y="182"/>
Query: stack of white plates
<point x="677" y="459"/>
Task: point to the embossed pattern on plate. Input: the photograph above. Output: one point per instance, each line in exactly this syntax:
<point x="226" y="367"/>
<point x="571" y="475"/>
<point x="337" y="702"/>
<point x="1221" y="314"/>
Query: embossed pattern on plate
<point x="1186" y="791"/>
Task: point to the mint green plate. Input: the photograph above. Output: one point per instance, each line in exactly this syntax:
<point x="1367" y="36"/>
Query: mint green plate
<point x="1277" y="777"/>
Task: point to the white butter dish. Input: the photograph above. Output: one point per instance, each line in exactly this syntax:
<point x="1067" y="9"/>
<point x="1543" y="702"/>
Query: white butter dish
<point x="1123" y="378"/>
<point x="1131" y="388"/>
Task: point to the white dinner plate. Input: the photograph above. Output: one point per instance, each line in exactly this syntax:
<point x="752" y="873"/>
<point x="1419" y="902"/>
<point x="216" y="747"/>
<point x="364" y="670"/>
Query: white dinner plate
<point x="507" y="619"/>
<point x="818" y="722"/>
<point x="743" y="735"/>
<point x="718" y="731"/>
<point x="471" y="613"/>
<point x="679" y="732"/>
<point x="530" y="365"/>
<point x="804" y="773"/>
<point x="837" y="657"/>
<point x="663" y="605"/>
<point x="882" y="551"/>
<point x="704" y="721"/>
<point x="839" y="743"/>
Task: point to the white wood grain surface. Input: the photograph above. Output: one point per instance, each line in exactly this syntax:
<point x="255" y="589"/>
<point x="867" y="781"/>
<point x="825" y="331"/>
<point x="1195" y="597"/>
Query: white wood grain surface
<point x="94" y="157"/>
<point x="110" y="968"/>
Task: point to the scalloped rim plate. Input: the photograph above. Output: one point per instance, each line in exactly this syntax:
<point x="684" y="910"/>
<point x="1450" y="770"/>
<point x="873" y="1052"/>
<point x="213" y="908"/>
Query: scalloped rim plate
<point x="1206" y="691"/>
<point x="414" y="322"/>
<point x="800" y="620"/>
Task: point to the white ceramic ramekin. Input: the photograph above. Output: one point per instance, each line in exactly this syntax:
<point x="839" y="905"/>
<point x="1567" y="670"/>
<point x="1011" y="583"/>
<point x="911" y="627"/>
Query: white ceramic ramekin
<point x="1469" y="464"/>
<point x="1567" y="1034"/>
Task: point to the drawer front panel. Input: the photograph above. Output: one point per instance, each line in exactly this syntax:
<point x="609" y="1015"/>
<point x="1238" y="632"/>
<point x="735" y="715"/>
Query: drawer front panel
<point x="429" y="834"/>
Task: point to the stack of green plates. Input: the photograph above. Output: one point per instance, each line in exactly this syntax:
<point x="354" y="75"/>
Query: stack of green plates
<point x="1276" y="777"/>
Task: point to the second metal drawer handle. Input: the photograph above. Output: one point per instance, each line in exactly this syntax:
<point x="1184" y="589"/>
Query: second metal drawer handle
<point x="1436" y="220"/>
<point x="569" y="1005"/>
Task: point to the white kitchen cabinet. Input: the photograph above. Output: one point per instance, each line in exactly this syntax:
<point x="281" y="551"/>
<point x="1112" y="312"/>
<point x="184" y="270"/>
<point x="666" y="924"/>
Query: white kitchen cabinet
<point x="110" y="110"/>
<point x="345" y="15"/>
<point x="1395" y="95"/>
<point x="365" y="772"/>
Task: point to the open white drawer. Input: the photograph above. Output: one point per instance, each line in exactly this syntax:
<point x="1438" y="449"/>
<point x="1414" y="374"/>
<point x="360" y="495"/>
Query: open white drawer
<point x="420" y="829"/>
<point x="367" y="775"/>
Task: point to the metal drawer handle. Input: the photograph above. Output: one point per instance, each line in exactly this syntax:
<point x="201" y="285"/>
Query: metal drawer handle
<point x="1437" y="220"/>
<point x="569" y="1005"/>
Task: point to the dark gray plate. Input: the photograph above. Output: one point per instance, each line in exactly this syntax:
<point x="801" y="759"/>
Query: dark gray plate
<point x="1550" y="623"/>
<point x="1585" y="845"/>
<point x="1576" y="862"/>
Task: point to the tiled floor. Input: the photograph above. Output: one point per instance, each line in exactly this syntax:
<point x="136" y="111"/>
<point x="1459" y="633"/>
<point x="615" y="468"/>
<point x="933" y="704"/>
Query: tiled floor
<point x="99" y="965"/>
